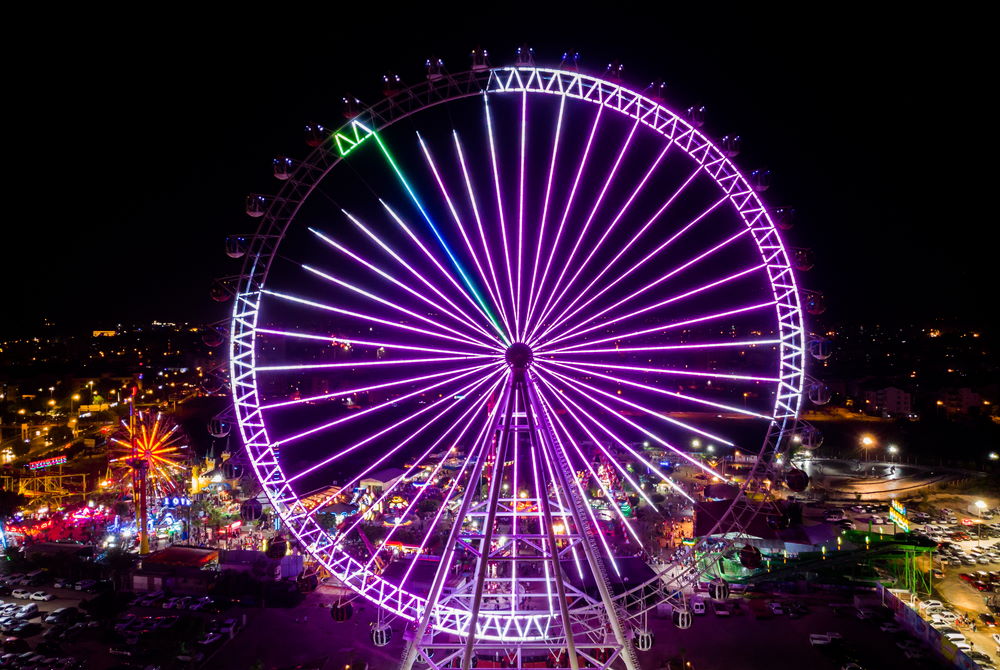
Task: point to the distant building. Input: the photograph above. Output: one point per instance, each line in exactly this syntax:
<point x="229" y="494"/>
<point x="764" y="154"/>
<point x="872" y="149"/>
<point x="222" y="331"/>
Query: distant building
<point x="104" y="333"/>
<point x="960" y="400"/>
<point x="889" y="401"/>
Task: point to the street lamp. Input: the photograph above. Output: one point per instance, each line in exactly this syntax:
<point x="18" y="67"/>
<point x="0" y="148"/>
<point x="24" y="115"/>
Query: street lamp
<point x="867" y="442"/>
<point x="994" y="456"/>
<point x="893" y="450"/>
<point x="72" y="399"/>
<point x="980" y="505"/>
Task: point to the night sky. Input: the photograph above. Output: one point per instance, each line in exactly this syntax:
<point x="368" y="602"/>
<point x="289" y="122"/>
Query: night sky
<point x="131" y="152"/>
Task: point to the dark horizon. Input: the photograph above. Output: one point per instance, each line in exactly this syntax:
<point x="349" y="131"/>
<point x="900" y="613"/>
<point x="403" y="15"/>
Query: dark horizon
<point x="135" y="180"/>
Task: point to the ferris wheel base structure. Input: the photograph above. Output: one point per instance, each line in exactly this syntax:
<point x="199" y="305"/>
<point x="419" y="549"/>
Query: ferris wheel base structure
<point x="523" y="574"/>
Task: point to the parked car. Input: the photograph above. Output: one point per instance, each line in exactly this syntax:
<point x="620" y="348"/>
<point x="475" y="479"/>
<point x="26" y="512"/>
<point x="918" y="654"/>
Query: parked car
<point x="23" y="594"/>
<point x="27" y="611"/>
<point x="42" y="595"/>
<point x="720" y="608"/>
<point x="86" y="585"/>
<point x="211" y="638"/>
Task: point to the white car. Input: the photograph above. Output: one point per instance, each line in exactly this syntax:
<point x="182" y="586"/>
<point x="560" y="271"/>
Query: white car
<point x="20" y="593"/>
<point x="963" y="645"/>
<point x="818" y="639"/>
<point x="954" y="637"/>
<point x="41" y="595"/>
<point x="926" y="604"/>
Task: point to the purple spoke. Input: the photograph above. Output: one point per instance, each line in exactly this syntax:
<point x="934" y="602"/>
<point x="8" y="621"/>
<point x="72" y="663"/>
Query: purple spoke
<point x="500" y="200"/>
<point x="661" y="327"/>
<point x="563" y="315"/>
<point x="357" y="478"/>
<point x="369" y="317"/>
<point x="365" y="364"/>
<point x="461" y="227"/>
<point x="610" y="227"/>
<point x="578" y="330"/>
<point x="672" y="394"/>
<point x="583" y="496"/>
<point x="362" y="389"/>
<point x="585" y="228"/>
<point x="426" y="282"/>
<point x="388" y="303"/>
<point x="590" y="467"/>
<point x="382" y="273"/>
<point x="569" y="202"/>
<point x="540" y="490"/>
<point x="444" y="272"/>
<point x="545" y="210"/>
<point x="686" y="426"/>
<point x="520" y="225"/>
<point x="670" y="371"/>
<point x="482" y="232"/>
<point x="672" y="347"/>
<point x="362" y="475"/>
<point x="410" y="417"/>
<point x="593" y="438"/>
<point x="479" y="446"/>
<point x="375" y="408"/>
<point x="635" y="238"/>
<point x="333" y="339"/>
<point x="621" y="417"/>
<point x="564" y="398"/>
<point x="563" y="499"/>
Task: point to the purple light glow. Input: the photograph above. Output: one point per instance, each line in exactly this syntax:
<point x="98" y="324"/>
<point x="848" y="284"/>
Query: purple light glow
<point x="334" y="339"/>
<point x="416" y="240"/>
<point x="672" y="347"/>
<point x="520" y="220"/>
<point x="609" y="228"/>
<point x="662" y="326"/>
<point x="389" y="303"/>
<point x="575" y="332"/>
<point x="621" y="417"/>
<point x="654" y="389"/>
<point x="461" y="228"/>
<point x="579" y="384"/>
<point x="375" y="408"/>
<point x="365" y="364"/>
<point x="369" y="317"/>
<point x="343" y="452"/>
<point x="564" y="398"/>
<point x="590" y="468"/>
<point x="563" y="315"/>
<point x="417" y="294"/>
<point x="482" y="233"/>
<point x="385" y="495"/>
<point x="670" y="371"/>
<point x="482" y="442"/>
<point x="590" y="217"/>
<point x="569" y="201"/>
<point x="628" y="245"/>
<point x="503" y="225"/>
<point x="545" y="209"/>
<point x="426" y="282"/>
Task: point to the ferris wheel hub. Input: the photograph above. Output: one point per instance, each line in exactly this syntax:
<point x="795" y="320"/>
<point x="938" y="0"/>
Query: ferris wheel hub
<point x="519" y="356"/>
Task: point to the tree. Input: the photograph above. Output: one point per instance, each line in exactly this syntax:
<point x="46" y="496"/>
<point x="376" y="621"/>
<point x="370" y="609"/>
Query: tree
<point x="10" y="503"/>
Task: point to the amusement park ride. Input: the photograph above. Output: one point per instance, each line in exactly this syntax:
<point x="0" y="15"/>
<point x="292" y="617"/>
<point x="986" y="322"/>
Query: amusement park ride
<point x="570" y="272"/>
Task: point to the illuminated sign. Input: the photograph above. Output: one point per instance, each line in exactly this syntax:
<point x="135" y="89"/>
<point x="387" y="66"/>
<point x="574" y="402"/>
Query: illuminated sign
<point x="897" y="515"/>
<point x="175" y="501"/>
<point x="46" y="463"/>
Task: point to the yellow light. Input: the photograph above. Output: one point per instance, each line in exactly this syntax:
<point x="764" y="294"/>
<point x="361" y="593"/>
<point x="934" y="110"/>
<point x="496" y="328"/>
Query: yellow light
<point x="76" y="396"/>
<point x="867" y="440"/>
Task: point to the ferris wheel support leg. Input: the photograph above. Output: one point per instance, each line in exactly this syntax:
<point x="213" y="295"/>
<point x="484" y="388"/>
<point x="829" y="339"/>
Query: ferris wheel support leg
<point x="449" y="553"/>
<point x="543" y="497"/>
<point x="593" y="560"/>
<point x="493" y="503"/>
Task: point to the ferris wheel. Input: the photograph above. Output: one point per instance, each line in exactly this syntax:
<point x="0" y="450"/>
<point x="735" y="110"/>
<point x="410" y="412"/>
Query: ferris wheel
<point x="489" y="332"/>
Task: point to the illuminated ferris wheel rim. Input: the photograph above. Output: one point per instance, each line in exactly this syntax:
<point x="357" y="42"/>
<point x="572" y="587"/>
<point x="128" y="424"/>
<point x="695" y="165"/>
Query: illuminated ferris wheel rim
<point x="297" y="189"/>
